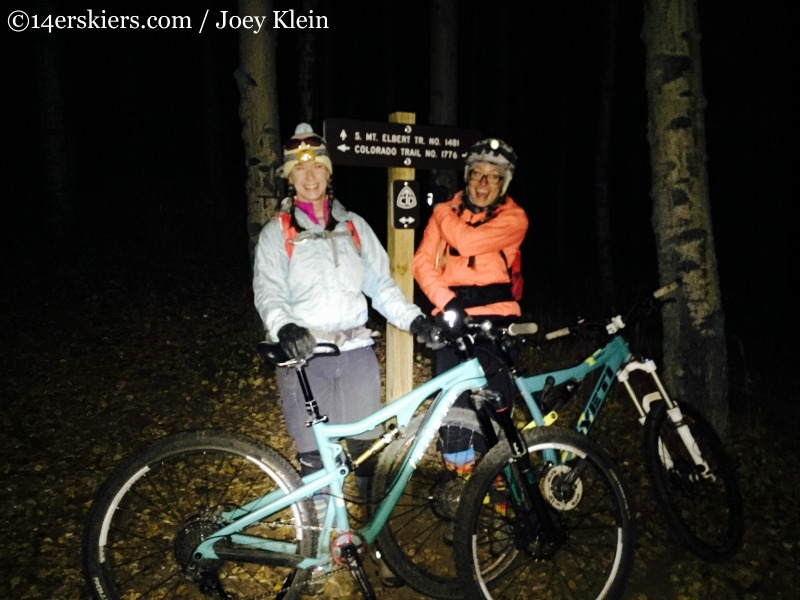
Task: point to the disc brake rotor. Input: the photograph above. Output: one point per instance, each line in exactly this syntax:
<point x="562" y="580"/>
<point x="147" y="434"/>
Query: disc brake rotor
<point x="560" y="494"/>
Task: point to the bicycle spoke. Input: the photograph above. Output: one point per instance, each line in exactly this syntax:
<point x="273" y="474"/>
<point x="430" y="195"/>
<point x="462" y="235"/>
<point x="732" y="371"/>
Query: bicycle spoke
<point x="504" y="552"/>
<point x="416" y="541"/>
<point x="154" y="510"/>
<point x="704" y="510"/>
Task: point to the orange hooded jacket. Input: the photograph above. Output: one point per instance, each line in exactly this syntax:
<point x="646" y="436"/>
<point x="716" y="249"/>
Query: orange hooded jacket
<point x="462" y="248"/>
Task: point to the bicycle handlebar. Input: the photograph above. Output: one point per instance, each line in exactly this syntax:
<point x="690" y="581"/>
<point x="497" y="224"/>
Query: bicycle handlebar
<point x="667" y="289"/>
<point x="551" y="335"/>
<point x="615" y="323"/>
<point x="272" y="352"/>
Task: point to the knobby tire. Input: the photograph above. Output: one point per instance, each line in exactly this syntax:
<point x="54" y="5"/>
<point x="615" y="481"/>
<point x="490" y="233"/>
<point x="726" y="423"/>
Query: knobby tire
<point x="704" y="513"/>
<point x="494" y="560"/>
<point x="416" y="541"/>
<point x="161" y="501"/>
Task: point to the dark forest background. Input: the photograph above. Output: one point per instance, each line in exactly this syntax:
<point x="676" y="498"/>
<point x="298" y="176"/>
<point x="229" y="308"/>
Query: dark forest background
<point x="156" y="159"/>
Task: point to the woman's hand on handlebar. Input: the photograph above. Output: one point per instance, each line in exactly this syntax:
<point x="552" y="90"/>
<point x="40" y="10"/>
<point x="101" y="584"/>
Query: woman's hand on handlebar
<point x="427" y="332"/>
<point x="296" y="341"/>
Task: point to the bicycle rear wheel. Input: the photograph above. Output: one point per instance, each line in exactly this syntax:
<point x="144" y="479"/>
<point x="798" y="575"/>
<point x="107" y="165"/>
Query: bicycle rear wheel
<point x="500" y="555"/>
<point x="416" y="541"/>
<point x="704" y="511"/>
<point x="162" y="501"/>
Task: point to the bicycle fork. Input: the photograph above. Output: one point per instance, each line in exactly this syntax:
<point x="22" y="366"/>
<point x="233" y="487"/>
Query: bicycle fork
<point x="674" y="414"/>
<point x="534" y="518"/>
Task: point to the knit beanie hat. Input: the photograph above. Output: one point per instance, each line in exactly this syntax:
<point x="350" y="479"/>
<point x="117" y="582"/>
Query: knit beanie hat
<point x="496" y="152"/>
<point x="303" y="146"/>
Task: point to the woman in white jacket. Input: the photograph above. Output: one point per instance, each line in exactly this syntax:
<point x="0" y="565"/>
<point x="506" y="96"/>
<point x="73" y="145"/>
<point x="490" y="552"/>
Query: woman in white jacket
<point x="316" y="264"/>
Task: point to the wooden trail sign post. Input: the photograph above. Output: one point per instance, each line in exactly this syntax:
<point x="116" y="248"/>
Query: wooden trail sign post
<point x="401" y="146"/>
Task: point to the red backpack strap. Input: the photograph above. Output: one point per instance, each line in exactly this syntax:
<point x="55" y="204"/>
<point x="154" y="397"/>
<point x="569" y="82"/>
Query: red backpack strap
<point x="354" y="232"/>
<point x="289" y="231"/>
<point x="515" y="275"/>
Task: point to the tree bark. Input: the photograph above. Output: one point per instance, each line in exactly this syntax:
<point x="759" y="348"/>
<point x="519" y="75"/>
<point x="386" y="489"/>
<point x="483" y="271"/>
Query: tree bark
<point x="695" y="356"/>
<point x="256" y="78"/>
<point x="213" y="197"/>
<point x="58" y="165"/>
<point x="444" y="85"/>
<point x="602" y="215"/>
<point x="306" y="65"/>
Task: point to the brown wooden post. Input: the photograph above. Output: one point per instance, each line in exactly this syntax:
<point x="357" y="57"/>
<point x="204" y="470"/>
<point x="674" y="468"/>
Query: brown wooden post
<point x="401" y="142"/>
<point x="400" y="246"/>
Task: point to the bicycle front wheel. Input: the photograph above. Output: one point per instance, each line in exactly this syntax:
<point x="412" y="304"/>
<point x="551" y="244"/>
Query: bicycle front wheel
<point x="704" y="510"/>
<point x="416" y="541"/>
<point x="161" y="502"/>
<point x="501" y="554"/>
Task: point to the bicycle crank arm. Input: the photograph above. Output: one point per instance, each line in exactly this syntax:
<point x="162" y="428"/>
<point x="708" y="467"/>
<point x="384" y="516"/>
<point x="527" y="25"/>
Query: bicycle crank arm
<point x="352" y="558"/>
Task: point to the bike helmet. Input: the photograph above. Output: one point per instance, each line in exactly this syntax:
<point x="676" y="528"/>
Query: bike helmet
<point x="496" y="152"/>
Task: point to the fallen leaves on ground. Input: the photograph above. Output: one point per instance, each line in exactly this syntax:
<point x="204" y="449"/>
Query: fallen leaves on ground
<point x="98" y="361"/>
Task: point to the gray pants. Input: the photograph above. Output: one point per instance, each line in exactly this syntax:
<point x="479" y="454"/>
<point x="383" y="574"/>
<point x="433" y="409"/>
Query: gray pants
<point x="346" y="387"/>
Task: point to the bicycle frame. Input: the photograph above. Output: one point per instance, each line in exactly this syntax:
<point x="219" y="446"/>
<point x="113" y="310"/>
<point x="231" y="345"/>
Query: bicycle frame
<point x="609" y="358"/>
<point x="616" y="361"/>
<point x="448" y="387"/>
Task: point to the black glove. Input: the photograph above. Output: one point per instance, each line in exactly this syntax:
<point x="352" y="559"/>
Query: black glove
<point x="454" y="315"/>
<point x="297" y="342"/>
<point x="427" y="332"/>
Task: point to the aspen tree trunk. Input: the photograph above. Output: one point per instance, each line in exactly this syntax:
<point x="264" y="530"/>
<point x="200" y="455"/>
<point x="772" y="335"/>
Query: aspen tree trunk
<point x="695" y="357"/>
<point x="602" y="214"/>
<point x="444" y="85"/>
<point x="213" y="180"/>
<point x="256" y="78"/>
<point x="306" y="66"/>
<point x="57" y="156"/>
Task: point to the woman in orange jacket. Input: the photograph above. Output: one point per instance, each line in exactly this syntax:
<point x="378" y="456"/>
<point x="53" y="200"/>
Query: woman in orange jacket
<point x="464" y="262"/>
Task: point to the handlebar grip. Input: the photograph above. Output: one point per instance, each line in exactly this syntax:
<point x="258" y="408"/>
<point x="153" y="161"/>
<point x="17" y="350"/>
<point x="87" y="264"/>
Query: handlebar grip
<point x="326" y="349"/>
<point x="667" y="289"/>
<point x="522" y="328"/>
<point x="557" y="333"/>
<point x="272" y="352"/>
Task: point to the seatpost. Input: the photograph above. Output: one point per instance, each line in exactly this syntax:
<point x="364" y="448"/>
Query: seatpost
<point x="312" y="408"/>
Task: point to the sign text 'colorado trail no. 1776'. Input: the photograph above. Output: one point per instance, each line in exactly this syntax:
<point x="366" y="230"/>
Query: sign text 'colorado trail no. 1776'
<point x="377" y="144"/>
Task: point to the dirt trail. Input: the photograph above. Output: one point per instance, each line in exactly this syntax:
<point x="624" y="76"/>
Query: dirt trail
<point x="98" y="361"/>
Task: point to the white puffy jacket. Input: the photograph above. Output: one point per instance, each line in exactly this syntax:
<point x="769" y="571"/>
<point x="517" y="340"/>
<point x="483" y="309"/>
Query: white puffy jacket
<point x="323" y="286"/>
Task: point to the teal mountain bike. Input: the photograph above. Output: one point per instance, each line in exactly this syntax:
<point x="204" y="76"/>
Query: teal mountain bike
<point x="693" y="479"/>
<point x="215" y="514"/>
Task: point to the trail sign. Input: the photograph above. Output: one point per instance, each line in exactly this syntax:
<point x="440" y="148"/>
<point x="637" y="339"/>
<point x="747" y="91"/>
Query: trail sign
<point x="406" y="204"/>
<point x="377" y="144"/>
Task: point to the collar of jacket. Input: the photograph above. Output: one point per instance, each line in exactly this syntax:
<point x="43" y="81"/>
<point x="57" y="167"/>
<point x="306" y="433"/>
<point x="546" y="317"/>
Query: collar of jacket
<point x="463" y="196"/>
<point x="337" y="211"/>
